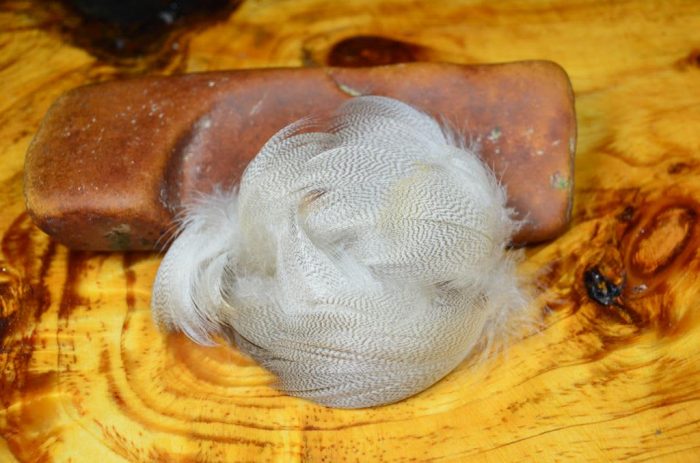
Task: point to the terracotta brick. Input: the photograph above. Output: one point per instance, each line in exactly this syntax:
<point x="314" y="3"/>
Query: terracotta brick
<point x="112" y="163"/>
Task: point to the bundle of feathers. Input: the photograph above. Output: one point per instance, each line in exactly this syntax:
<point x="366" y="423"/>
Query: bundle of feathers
<point x="361" y="259"/>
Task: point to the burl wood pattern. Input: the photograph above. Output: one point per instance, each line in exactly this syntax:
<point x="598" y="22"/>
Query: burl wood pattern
<point x="112" y="164"/>
<point x="613" y="376"/>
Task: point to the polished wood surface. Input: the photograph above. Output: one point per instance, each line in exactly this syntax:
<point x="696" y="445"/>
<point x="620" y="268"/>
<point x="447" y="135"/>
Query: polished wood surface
<point x="614" y="375"/>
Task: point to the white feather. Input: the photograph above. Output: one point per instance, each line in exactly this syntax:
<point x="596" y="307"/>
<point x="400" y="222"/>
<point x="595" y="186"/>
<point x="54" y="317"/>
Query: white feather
<point x="362" y="259"/>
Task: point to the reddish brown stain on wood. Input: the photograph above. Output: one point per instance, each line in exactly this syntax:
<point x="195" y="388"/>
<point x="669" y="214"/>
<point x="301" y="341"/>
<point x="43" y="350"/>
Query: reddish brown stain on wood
<point x="368" y="50"/>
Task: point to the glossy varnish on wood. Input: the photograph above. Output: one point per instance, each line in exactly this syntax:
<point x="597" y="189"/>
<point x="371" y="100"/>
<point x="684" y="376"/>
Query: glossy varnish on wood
<point x="613" y="375"/>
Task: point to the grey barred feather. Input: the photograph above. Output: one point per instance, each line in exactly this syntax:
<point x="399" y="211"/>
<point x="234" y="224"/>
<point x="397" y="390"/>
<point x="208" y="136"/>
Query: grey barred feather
<point x="361" y="259"/>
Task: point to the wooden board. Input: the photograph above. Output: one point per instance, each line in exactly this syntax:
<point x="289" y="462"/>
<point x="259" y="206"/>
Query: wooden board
<point x="86" y="377"/>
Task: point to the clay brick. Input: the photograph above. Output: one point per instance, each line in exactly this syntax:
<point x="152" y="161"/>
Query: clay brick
<point x="112" y="163"/>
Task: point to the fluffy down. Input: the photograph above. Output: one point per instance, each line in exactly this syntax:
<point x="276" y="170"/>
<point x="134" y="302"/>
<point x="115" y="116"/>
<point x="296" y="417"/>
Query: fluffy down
<point x="361" y="259"/>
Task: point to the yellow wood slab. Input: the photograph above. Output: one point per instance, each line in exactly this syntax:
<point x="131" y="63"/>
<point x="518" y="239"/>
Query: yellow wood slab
<point x="86" y="377"/>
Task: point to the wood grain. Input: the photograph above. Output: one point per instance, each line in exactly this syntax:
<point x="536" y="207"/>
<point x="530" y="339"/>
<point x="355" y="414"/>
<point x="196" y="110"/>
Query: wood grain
<point x="86" y="377"/>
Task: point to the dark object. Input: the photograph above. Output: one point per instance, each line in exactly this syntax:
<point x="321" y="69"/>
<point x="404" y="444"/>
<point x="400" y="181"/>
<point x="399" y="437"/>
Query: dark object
<point x="600" y="289"/>
<point x="112" y="164"/>
<point x="129" y="12"/>
<point x="118" y="30"/>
